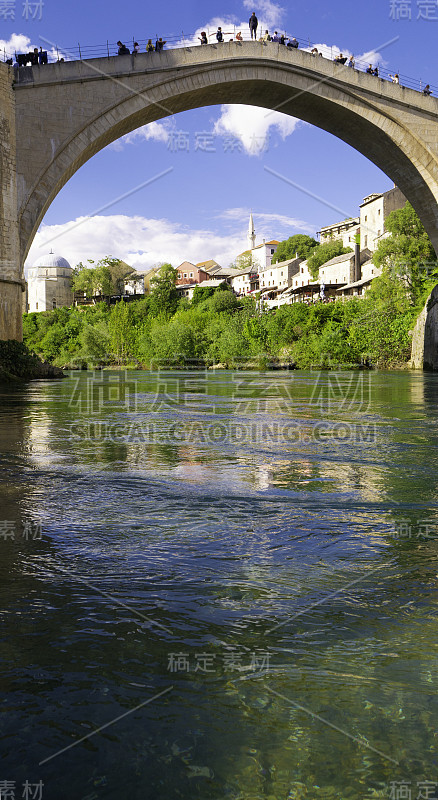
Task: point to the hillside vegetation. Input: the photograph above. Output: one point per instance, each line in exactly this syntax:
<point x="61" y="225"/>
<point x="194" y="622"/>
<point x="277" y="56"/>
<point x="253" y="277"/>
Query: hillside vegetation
<point x="217" y="327"/>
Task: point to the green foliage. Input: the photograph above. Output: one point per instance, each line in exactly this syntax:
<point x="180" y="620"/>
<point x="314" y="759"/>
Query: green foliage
<point x="218" y="327"/>
<point x="200" y="294"/>
<point x="164" y="296"/>
<point x="106" y="278"/>
<point x="244" y="261"/>
<point x="323" y="253"/>
<point x="407" y="254"/>
<point x="223" y="301"/>
<point x="18" y="362"/>
<point x="300" y="243"/>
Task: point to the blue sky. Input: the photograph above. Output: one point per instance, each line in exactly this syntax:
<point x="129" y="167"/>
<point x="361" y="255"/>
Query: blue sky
<point x="200" y="209"/>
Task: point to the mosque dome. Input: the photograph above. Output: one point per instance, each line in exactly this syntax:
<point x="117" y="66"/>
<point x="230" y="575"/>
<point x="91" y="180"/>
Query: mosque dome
<point x="52" y="260"/>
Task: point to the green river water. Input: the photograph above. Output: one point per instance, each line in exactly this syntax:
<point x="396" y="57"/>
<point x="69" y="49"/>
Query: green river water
<point x="219" y="585"/>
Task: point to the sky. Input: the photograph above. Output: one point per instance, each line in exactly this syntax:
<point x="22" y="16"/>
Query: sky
<point x="182" y="188"/>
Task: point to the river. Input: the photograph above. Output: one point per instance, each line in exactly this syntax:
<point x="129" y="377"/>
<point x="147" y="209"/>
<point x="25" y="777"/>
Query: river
<point x="219" y="585"/>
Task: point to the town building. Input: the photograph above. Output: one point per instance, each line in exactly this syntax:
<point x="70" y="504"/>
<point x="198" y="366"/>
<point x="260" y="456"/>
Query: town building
<point x="345" y="231"/>
<point x="261" y="255"/>
<point x="189" y="273"/>
<point x="244" y="281"/>
<point x="374" y="211"/>
<point x="134" y="285"/>
<point x="340" y="272"/>
<point x="280" y="275"/>
<point x="187" y="290"/>
<point x="49" y="283"/>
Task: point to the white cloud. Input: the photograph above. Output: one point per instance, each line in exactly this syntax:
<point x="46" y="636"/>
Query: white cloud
<point x="143" y="242"/>
<point x="139" y="241"/>
<point x="268" y="223"/>
<point x="157" y="131"/>
<point x="269" y="14"/>
<point x="19" y="43"/>
<point x="251" y="125"/>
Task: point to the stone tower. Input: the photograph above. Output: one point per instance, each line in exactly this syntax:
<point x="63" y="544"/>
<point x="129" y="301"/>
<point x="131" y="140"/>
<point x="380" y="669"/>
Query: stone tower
<point x="251" y="233"/>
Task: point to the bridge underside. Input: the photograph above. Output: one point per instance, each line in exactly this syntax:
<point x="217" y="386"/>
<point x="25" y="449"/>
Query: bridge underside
<point x="66" y="113"/>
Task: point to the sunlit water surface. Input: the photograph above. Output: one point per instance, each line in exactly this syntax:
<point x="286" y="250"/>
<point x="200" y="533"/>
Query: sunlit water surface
<point x="234" y="573"/>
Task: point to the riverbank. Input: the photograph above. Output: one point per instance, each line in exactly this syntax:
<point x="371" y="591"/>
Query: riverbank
<point x="18" y="364"/>
<point x="230" y="331"/>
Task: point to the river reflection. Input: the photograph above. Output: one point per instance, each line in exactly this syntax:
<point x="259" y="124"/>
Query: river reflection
<point x="232" y="575"/>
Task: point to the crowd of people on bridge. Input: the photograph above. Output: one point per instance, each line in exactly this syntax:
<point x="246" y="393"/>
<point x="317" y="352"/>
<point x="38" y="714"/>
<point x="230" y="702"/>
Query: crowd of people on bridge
<point x="40" y="57"/>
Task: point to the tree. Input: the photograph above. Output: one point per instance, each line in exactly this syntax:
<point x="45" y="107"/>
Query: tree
<point x="323" y="253"/>
<point x="103" y="283"/>
<point x="244" y="261"/>
<point x="300" y="243"/>
<point x="83" y="280"/>
<point x="201" y="293"/>
<point x="164" y="296"/>
<point x="121" y="331"/>
<point x="407" y="254"/>
<point x="223" y="301"/>
<point x="105" y="278"/>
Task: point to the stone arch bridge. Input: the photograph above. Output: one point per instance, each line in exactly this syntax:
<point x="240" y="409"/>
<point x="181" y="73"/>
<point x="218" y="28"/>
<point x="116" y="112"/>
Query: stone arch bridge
<point x="54" y="117"/>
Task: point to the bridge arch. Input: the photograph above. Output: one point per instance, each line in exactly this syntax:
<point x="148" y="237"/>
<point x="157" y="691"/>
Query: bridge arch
<point x="67" y="112"/>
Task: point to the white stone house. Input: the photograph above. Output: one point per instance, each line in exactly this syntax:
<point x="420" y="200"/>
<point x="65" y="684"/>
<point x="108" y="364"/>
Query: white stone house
<point x="134" y="285"/>
<point x="334" y="274"/>
<point x="279" y="276"/>
<point x="50" y="283"/>
<point x="243" y="281"/>
<point x="344" y="231"/>
<point x="374" y="211"/>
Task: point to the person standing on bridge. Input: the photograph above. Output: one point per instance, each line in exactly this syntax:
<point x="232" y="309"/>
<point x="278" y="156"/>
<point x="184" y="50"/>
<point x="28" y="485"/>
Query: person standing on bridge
<point x="123" y="50"/>
<point x="219" y="35"/>
<point x="427" y="90"/>
<point x="149" y="46"/>
<point x="159" y="45"/>
<point x="203" y="38"/>
<point x="253" y="23"/>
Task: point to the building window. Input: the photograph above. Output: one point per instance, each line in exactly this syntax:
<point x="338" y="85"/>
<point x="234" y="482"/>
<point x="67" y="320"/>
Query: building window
<point x="272" y="252"/>
<point x="191" y="274"/>
<point x="179" y="275"/>
<point x="379" y="212"/>
<point x="365" y="241"/>
<point x="185" y="274"/>
<point x="53" y="303"/>
<point x="378" y="233"/>
<point x="36" y="306"/>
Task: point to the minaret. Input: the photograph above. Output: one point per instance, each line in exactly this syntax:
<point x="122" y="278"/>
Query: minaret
<point x="251" y="233"/>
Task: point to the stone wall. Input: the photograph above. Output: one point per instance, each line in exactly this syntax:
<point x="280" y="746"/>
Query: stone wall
<point x="424" y="353"/>
<point x="11" y="284"/>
